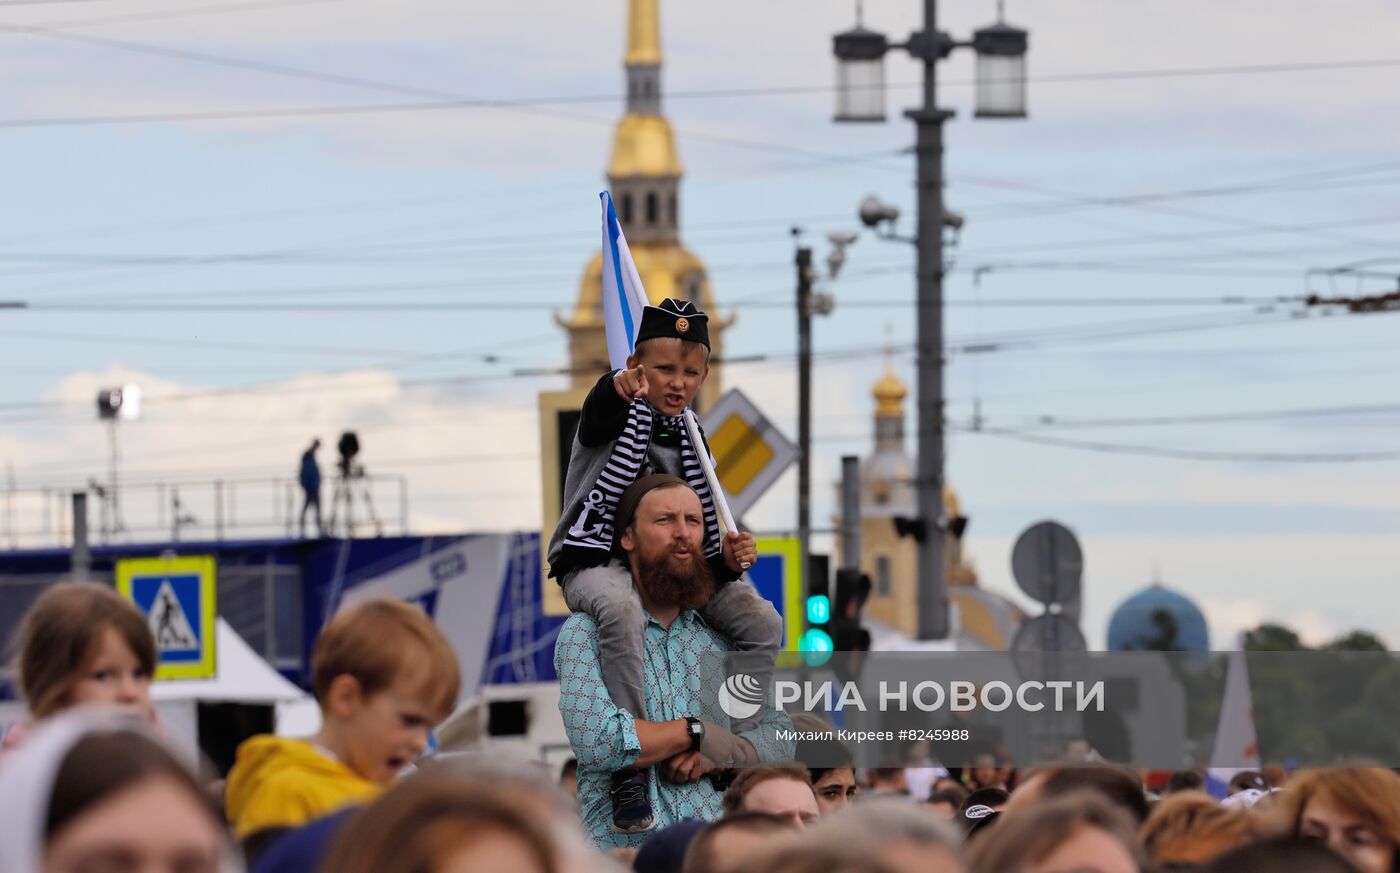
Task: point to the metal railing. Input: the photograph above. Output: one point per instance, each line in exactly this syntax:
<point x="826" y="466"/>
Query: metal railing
<point x="203" y="510"/>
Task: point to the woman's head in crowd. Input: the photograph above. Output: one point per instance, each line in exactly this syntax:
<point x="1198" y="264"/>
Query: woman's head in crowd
<point x="835" y="788"/>
<point x="897" y="835"/>
<point x="1190" y="827"/>
<point x="730" y="844"/>
<point x="1080" y="830"/>
<point x="829" y="764"/>
<point x="1123" y="787"/>
<point x="1354" y="811"/>
<point x="440" y="822"/>
<point x="122" y="802"/>
<point x="83" y="643"/>
<point x="92" y="792"/>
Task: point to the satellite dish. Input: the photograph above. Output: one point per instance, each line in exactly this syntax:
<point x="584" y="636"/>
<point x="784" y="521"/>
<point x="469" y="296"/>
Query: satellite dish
<point x="1048" y="564"/>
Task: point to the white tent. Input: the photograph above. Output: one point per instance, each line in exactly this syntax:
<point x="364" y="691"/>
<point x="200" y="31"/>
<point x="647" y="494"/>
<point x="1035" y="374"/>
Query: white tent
<point x="241" y="676"/>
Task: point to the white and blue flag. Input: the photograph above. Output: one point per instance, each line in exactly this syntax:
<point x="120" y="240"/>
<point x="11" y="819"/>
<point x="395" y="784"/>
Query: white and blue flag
<point x="624" y="298"/>
<point x="623" y="294"/>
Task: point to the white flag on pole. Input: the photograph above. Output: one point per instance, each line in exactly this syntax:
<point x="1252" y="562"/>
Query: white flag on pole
<point x="623" y="294"/>
<point x="1236" y="742"/>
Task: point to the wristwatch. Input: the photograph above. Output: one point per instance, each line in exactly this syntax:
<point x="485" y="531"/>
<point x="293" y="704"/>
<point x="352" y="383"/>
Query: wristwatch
<point x="695" y="729"/>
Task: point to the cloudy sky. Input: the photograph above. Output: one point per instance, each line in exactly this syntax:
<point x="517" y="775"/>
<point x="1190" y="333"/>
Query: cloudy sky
<point x="286" y="219"/>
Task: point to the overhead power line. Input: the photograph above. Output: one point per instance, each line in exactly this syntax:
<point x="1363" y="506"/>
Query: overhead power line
<point x="681" y="94"/>
<point x="1043" y="422"/>
<point x="1193" y="454"/>
<point x="234" y="304"/>
<point x="166" y="14"/>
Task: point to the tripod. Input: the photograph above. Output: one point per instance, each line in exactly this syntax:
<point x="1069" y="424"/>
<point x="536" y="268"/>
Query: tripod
<point x="350" y="476"/>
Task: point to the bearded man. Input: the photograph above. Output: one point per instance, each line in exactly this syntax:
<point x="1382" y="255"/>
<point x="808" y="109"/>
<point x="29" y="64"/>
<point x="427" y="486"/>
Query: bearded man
<point x="684" y="737"/>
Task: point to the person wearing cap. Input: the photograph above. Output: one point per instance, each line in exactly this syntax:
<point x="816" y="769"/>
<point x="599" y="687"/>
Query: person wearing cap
<point x="681" y="735"/>
<point x="631" y="426"/>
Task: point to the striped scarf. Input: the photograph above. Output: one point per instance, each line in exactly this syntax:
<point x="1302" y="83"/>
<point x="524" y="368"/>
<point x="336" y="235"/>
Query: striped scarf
<point x="593" y="528"/>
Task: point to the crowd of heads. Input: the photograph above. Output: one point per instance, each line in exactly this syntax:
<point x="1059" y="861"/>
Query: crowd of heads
<point x="96" y="784"/>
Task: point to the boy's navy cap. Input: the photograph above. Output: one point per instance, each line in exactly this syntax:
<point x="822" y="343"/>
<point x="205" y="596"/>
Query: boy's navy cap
<point x="675" y="318"/>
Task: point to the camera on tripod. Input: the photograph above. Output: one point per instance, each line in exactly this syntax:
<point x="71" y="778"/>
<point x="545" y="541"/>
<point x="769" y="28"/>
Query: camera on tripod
<point x="352" y="479"/>
<point x="349" y="447"/>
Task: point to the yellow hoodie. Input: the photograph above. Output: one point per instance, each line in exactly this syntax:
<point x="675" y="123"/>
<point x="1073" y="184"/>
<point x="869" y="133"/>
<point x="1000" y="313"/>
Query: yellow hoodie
<point x="280" y="783"/>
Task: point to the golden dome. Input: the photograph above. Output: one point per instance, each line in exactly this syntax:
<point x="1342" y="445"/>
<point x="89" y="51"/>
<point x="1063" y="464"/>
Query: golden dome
<point x="643" y="33"/>
<point x="664" y="269"/>
<point x="889" y="395"/>
<point x="644" y="146"/>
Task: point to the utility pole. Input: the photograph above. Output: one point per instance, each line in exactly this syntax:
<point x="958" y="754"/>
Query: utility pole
<point x="1001" y="92"/>
<point x="928" y="120"/>
<point x="81" y="556"/>
<point x="804" y="411"/>
<point x="850" y="512"/>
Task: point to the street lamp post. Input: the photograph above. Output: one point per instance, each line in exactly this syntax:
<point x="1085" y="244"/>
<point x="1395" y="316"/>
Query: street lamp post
<point x="1001" y="51"/>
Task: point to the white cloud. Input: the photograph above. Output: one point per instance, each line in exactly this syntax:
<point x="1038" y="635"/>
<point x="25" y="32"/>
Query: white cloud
<point x="468" y="457"/>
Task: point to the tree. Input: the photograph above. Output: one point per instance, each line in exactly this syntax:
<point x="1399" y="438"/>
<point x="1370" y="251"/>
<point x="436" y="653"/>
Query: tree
<point x="1166" y="633"/>
<point x="1356" y="641"/>
<point x="1272" y="638"/>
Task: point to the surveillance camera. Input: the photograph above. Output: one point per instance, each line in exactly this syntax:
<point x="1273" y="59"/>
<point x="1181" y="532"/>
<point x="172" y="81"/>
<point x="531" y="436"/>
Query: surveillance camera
<point x="841" y="239"/>
<point x="835" y="260"/>
<point x="874" y="212"/>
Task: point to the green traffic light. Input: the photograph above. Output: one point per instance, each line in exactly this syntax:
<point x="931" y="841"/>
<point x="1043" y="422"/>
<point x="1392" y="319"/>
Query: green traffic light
<point x="818" y="609"/>
<point x="816" y="647"/>
<point x="816" y="640"/>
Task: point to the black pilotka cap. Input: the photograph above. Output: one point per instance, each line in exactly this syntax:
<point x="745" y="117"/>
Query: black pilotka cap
<point x="675" y="318"/>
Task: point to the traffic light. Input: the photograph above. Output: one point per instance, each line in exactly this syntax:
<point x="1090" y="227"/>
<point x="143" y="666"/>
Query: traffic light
<point x="817" y="607"/>
<point x="847" y="632"/>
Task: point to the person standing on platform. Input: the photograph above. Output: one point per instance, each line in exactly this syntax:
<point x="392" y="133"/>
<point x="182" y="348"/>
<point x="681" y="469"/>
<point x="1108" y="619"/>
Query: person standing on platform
<point x="310" y="478"/>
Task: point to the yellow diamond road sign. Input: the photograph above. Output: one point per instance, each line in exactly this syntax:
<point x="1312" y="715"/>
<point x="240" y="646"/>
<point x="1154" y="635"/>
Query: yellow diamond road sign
<point x="750" y="452"/>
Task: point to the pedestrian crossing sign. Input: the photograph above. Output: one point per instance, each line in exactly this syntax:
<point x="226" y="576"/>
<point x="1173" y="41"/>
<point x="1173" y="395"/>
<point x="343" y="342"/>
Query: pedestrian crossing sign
<point x="177" y="597"/>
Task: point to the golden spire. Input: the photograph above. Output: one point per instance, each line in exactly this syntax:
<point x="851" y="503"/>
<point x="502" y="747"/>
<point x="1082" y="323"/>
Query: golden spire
<point x="889" y="391"/>
<point x="889" y="395"/>
<point x="643" y="33"/>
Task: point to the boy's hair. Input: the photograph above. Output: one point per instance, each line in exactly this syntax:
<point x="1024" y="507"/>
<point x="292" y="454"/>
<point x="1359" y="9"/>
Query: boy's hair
<point x="377" y="641"/>
<point x="59" y="634"/>
<point x="687" y="346"/>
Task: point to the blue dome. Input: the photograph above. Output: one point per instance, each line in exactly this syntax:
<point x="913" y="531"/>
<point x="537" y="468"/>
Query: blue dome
<point x="1156" y="617"/>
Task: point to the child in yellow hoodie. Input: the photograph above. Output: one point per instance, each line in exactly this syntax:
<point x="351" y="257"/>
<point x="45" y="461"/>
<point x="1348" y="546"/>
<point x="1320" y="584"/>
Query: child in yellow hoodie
<point x="384" y="676"/>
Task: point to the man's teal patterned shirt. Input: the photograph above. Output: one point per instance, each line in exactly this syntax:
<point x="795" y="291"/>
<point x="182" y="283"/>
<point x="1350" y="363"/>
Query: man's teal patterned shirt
<point x="604" y="737"/>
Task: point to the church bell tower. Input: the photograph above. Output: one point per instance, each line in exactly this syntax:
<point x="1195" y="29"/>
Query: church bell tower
<point x="644" y="176"/>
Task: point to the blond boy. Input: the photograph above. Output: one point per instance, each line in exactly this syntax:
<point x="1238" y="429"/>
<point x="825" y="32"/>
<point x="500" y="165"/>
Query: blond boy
<point x="383" y="676"/>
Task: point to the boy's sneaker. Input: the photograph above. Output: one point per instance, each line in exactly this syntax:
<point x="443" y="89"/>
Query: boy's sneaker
<point x="630" y="803"/>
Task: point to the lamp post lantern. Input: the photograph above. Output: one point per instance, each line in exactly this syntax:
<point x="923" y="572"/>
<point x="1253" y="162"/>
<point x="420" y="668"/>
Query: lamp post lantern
<point x="1001" y="93"/>
<point x="860" y="74"/>
<point x="1001" y="71"/>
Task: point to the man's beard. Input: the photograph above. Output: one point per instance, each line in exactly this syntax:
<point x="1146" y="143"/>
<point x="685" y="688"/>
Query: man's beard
<point x="668" y="582"/>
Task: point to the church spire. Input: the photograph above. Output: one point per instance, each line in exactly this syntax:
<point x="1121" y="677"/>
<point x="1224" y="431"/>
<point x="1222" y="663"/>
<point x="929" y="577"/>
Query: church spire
<point x="645" y="171"/>
<point x="644" y="175"/>
<point x="643" y="33"/>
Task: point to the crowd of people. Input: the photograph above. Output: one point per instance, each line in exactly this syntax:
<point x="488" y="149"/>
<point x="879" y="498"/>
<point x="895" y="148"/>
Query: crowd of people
<point x="661" y="780"/>
<point x="92" y="784"/>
